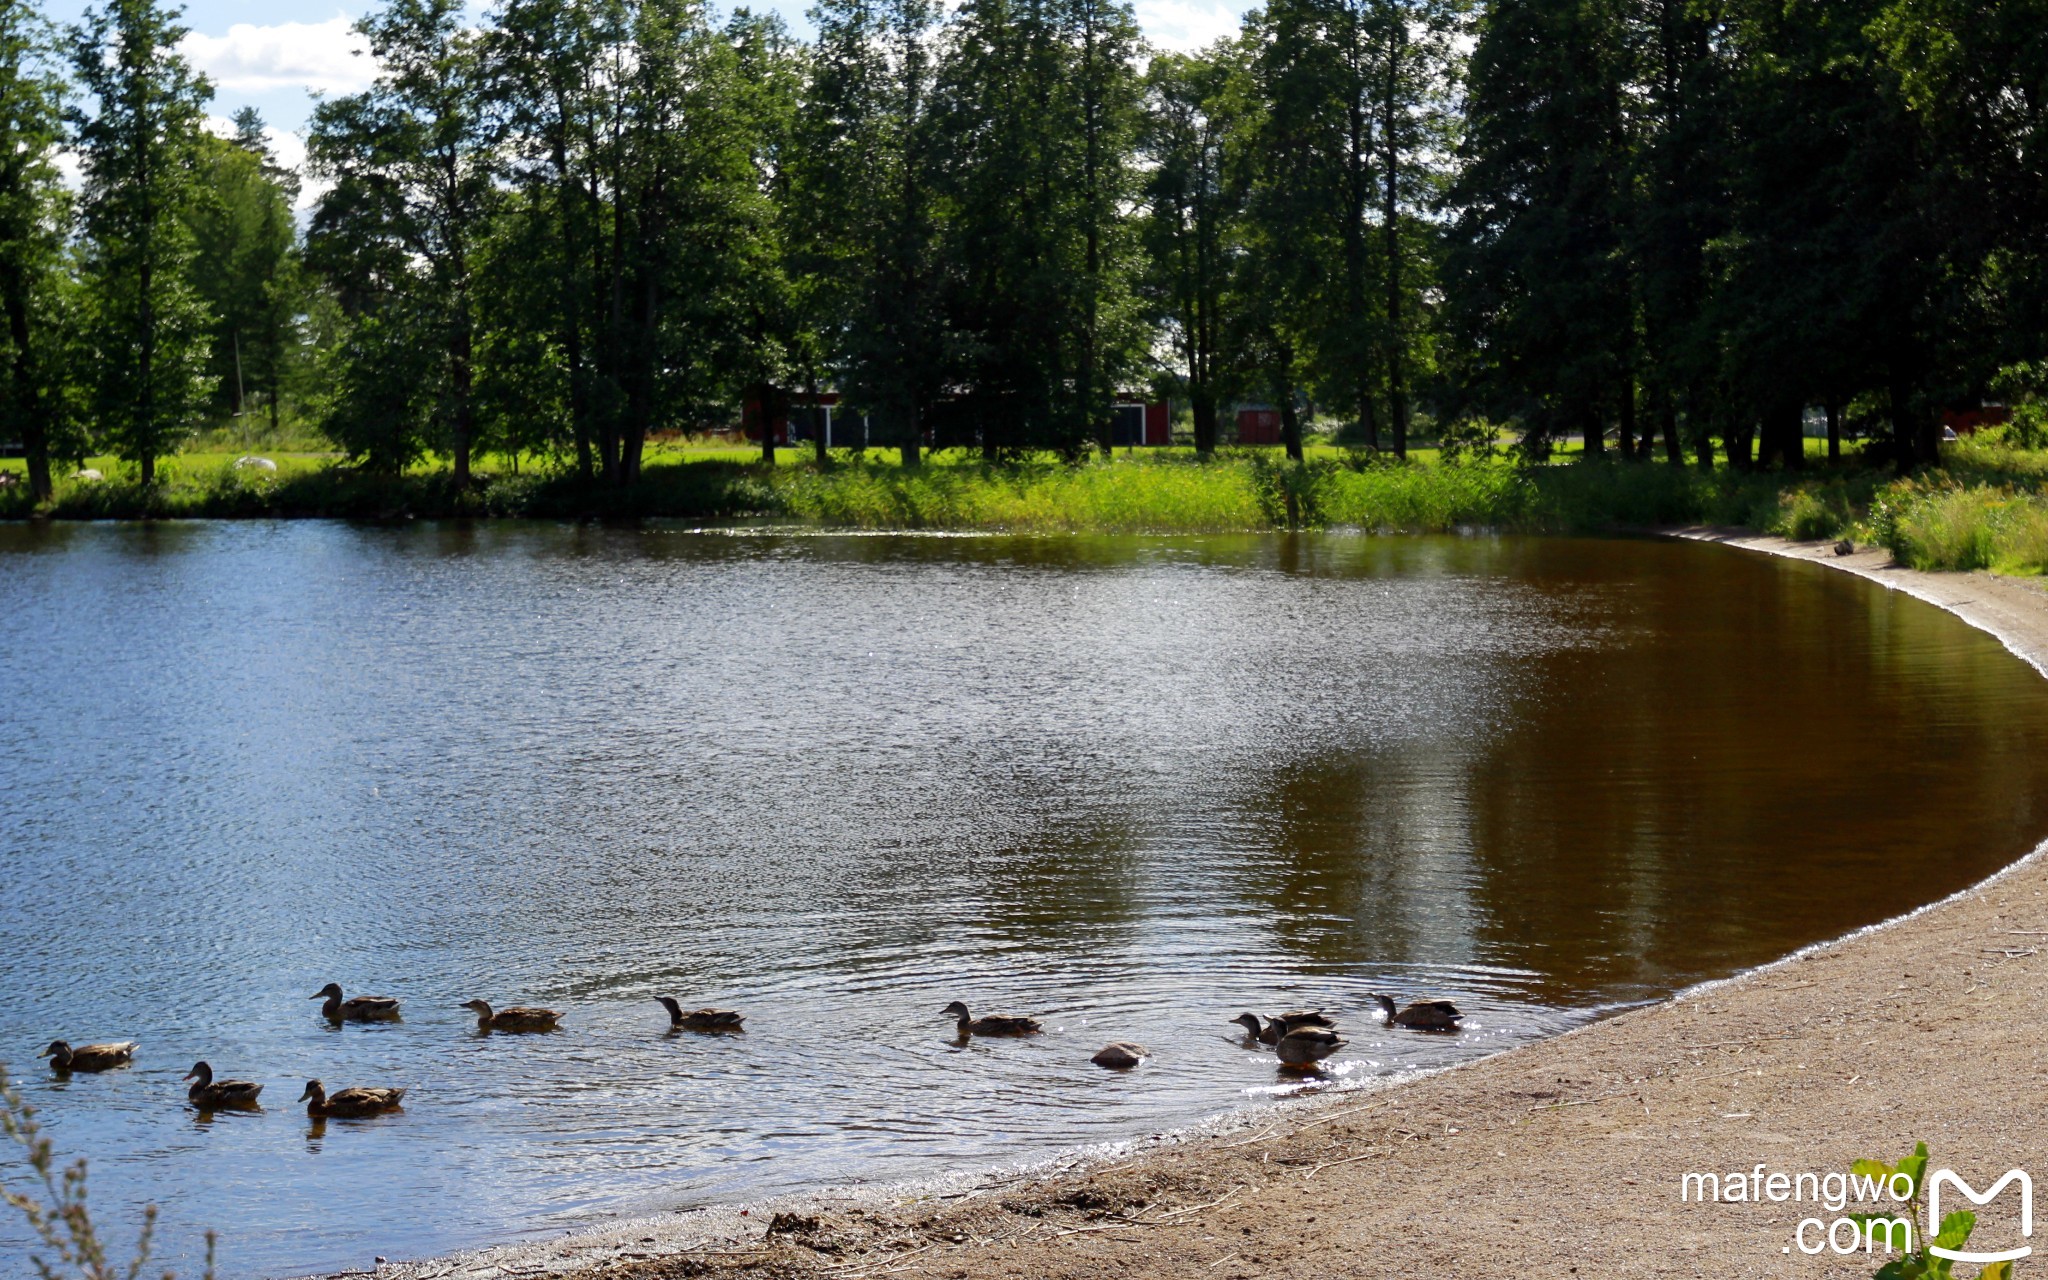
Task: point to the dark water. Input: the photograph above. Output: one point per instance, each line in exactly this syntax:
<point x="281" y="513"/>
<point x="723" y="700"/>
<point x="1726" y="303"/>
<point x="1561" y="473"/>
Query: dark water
<point x="1132" y="785"/>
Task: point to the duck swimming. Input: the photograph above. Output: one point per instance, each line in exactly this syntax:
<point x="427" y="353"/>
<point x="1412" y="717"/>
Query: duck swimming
<point x="1302" y="1048"/>
<point x="994" y="1024"/>
<point x="1274" y="1028"/>
<point x="360" y="1009"/>
<point x="681" y="1019"/>
<point x="517" y="1018"/>
<point x="348" y="1103"/>
<point x="1422" y="1015"/>
<point x="209" y="1094"/>
<point x="89" y="1057"/>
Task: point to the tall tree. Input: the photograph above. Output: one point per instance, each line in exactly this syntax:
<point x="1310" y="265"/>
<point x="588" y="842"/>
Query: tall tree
<point x="245" y="262"/>
<point x="146" y="326"/>
<point x="1038" y="103"/>
<point x="1538" y="283"/>
<point x="34" y="224"/>
<point x="868" y="181"/>
<point x="1194" y="108"/>
<point x="412" y="161"/>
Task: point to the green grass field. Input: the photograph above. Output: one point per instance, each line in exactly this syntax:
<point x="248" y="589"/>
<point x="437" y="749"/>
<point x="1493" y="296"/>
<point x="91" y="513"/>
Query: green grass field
<point x="1984" y="509"/>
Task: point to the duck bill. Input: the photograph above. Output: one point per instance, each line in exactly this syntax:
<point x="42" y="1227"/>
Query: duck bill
<point x="317" y="995"/>
<point x="47" y="1053"/>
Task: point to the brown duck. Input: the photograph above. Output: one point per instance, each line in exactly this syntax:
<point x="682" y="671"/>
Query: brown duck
<point x="359" y="1009"/>
<point x="681" y="1019"/>
<point x="209" y="1094"/>
<point x="88" y="1057"/>
<point x="1274" y="1028"/>
<point x="517" y="1018"/>
<point x="1302" y="1048"/>
<point x="348" y="1103"/>
<point x="1422" y="1015"/>
<point x="994" y="1024"/>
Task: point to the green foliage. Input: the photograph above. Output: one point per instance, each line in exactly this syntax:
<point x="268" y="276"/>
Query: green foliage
<point x="1953" y="1231"/>
<point x="38" y="303"/>
<point x="145" y="324"/>
<point x="56" y="1210"/>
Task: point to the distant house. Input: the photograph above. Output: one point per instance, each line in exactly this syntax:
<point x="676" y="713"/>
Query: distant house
<point x="802" y="418"/>
<point x="1966" y="421"/>
<point x="1135" y="421"/>
<point x="1258" y="424"/>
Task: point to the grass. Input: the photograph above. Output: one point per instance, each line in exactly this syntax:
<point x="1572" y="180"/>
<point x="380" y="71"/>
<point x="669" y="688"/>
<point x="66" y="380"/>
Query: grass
<point x="1986" y="508"/>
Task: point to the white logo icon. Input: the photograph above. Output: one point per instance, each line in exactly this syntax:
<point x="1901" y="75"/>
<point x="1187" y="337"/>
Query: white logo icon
<point x="1970" y="1194"/>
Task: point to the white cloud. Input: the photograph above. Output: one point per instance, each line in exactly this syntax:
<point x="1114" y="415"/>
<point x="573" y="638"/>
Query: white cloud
<point x="1188" y="25"/>
<point x="320" y="57"/>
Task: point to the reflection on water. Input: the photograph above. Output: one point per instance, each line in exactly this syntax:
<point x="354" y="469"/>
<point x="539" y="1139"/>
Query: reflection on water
<point x="1133" y="786"/>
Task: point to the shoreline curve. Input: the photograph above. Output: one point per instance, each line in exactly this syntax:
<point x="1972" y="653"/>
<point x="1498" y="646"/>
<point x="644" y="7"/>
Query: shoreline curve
<point x="1559" y="1157"/>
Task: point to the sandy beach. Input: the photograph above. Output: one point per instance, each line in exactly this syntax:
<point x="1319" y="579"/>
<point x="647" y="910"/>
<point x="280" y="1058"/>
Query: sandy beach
<point x="1561" y="1158"/>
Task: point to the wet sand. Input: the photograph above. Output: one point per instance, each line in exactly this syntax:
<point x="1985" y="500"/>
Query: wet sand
<point x="1560" y="1158"/>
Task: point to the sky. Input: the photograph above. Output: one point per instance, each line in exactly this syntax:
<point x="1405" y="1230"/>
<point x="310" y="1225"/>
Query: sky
<point x="277" y="54"/>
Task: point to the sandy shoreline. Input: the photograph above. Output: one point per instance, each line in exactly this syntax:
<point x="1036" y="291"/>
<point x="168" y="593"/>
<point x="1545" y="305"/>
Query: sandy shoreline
<point x="1558" y="1158"/>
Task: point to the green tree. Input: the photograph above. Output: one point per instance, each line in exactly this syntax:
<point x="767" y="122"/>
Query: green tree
<point x="34" y="225"/>
<point x="245" y="263"/>
<point x="1038" y="110"/>
<point x="413" y="162"/>
<point x="1538" y="278"/>
<point x="146" y="326"/>
<point x="868" y="180"/>
<point x="1194" y="106"/>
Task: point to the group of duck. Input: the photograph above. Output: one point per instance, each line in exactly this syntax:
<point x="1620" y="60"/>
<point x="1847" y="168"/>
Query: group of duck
<point x="1300" y="1039"/>
<point x="210" y="1094"/>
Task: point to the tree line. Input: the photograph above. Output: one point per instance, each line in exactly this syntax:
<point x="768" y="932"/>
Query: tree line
<point x="1666" y="227"/>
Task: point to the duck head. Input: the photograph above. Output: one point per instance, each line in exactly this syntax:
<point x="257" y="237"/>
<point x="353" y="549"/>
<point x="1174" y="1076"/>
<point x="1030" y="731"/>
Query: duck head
<point x="675" y="1011"/>
<point x="480" y="1008"/>
<point x="315" y="1091"/>
<point x="1250" y="1023"/>
<point x="332" y="991"/>
<point x="1386" y="1004"/>
<point x="201" y="1073"/>
<point x="957" y="1009"/>
<point x="58" y="1049"/>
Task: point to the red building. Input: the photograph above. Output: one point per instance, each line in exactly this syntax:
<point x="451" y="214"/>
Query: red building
<point x="1258" y="424"/>
<point x="1133" y="421"/>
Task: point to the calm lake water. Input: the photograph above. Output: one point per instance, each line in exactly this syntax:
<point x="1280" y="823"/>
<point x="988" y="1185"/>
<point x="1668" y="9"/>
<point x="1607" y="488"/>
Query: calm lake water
<point x="1132" y="785"/>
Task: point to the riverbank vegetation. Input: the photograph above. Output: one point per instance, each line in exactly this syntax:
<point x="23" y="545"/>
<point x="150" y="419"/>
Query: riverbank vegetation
<point x="582" y="227"/>
<point x="1984" y="509"/>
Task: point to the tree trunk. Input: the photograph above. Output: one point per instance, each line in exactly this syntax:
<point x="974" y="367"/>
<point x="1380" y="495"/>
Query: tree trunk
<point x="460" y="379"/>
<point x="1205" y="421"/>
<point x="1594" y="432"/>
<point x="1625" y="433"/>
<point x="1674" y="452"/>
<point x="819" y="443"/>
<point x="912" y="450"/>
<point x="1737" y="440"/>
<point x="1781" y="440"/>
<point x="1834" y="412"/>
<point x="765" y="415"/>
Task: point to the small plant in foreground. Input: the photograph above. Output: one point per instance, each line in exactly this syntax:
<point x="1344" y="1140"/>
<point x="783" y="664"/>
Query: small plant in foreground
<point x="1952" y="1232"/>
<point x="56" y="1210"/>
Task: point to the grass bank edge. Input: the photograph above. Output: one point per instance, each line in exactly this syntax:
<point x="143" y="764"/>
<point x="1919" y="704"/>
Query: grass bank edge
<point x="1986" y="509"/>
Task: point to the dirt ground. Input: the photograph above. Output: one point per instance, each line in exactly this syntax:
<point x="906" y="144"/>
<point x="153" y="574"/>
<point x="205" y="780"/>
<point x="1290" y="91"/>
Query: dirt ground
<point x="1559" y="1159"/>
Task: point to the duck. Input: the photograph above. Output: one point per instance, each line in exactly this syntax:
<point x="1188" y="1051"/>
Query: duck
<point x="1422" y="1015"/>
<point x="517" y="1018"/>
<point x="348" y="1103"/>
<point x="1120" y="1055"/>
<point x="209" y="1094"/>
<point x="994" y="1024"/>
<point x="681" y="1019"/>
<point x="360" y="1009"/>
<point x="1302" y="1048"/>
<point x="89" y="1057"/>
<point x="1274" y="1028"/>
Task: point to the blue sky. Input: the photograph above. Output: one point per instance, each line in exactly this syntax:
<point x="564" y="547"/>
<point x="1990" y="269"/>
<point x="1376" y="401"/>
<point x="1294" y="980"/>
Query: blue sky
<point x="275" y="54"/>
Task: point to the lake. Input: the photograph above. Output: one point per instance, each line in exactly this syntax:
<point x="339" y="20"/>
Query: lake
<point x="1134" y="786"/>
